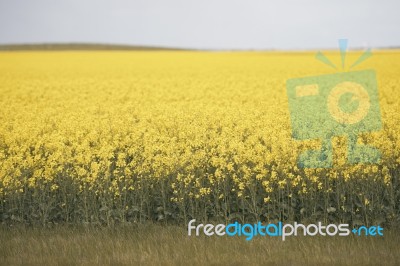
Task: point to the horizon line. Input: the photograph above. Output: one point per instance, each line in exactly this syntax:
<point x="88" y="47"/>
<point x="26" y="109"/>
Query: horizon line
<point x="82" y="46"/>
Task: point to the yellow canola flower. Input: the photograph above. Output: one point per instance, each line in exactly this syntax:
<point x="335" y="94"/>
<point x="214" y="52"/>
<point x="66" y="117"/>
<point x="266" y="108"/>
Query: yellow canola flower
<point x="197" y="124"/>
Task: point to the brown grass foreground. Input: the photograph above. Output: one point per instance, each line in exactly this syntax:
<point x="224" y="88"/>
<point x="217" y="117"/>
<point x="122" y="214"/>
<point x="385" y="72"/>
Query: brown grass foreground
<point x="170" y="245"/>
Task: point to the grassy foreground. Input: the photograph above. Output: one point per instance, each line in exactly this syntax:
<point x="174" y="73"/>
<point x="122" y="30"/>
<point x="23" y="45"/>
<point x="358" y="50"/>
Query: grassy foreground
<point x="154" y="245"/>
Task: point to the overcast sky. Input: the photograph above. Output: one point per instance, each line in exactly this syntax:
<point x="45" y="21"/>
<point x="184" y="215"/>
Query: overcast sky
<point x="211" y="24"/>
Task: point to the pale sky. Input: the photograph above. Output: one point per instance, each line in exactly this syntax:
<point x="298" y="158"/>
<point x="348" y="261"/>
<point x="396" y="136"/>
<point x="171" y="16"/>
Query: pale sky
<point x="203" y="24"/>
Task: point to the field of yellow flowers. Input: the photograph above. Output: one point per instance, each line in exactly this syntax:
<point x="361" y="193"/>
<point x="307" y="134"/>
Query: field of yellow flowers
<point x="115" y="137"/>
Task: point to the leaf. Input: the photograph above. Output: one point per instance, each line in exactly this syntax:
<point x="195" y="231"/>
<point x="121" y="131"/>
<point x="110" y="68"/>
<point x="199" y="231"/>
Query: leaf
<point x="331" y="209"/>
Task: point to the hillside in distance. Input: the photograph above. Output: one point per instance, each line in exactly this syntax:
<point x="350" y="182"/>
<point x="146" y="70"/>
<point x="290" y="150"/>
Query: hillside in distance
<point x="81" y="47"/>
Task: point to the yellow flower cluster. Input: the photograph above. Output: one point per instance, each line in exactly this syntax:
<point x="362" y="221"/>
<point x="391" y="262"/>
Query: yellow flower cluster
<point x="98" y="135"/>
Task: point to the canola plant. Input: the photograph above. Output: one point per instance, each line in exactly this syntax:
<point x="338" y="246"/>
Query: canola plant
<point x="116" y="137"/>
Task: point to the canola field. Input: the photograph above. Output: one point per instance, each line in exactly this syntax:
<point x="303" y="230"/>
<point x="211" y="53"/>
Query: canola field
<point x="164" y="136"/>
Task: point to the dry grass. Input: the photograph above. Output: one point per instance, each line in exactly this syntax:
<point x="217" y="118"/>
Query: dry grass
<point x="154" y="244"/>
